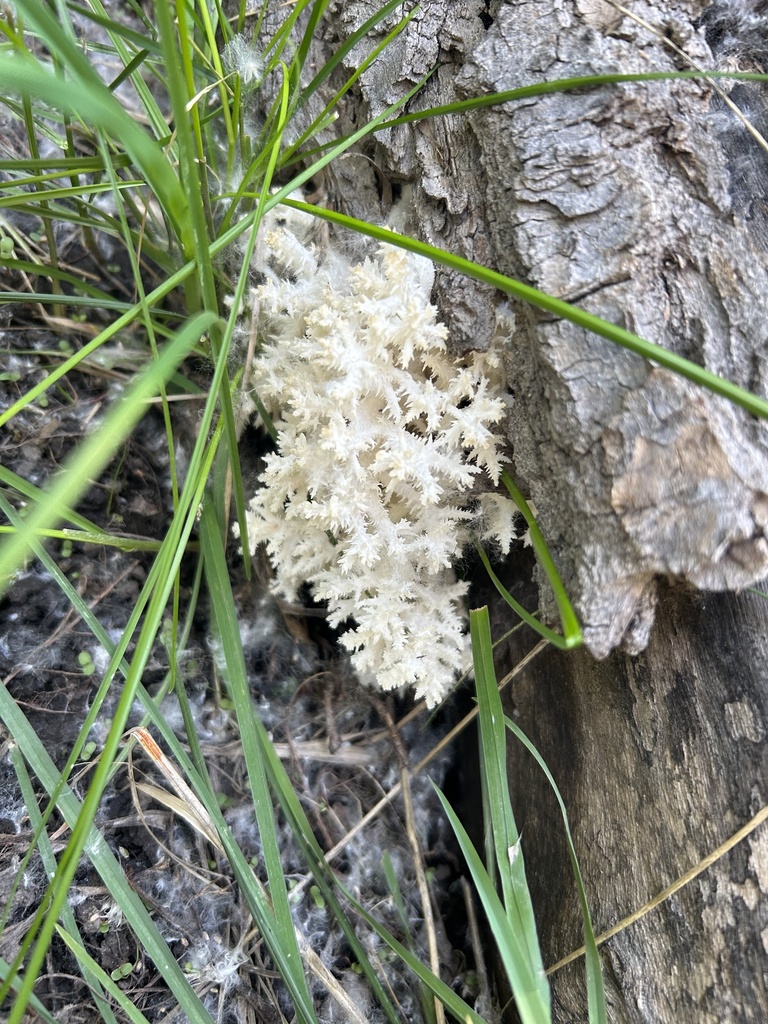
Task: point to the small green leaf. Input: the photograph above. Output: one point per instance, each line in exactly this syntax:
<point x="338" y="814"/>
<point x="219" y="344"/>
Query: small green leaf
<point x="85" y="661"/>
<point x="121" y="972"/>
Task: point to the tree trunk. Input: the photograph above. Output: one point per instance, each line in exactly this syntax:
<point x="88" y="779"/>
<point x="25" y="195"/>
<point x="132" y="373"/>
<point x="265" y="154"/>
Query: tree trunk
<point x="660" y="758"/>
<point x="645" y="204"/>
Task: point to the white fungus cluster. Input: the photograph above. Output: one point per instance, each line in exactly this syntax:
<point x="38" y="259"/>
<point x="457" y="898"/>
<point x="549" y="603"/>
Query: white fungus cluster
<point x="380" y="435"/>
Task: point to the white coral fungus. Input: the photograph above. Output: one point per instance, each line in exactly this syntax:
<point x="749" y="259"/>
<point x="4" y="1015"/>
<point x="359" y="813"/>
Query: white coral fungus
<point x="380" y="435"/>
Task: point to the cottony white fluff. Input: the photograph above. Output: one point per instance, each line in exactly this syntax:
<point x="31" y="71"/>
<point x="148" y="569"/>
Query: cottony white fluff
<point x="380" y="436"/>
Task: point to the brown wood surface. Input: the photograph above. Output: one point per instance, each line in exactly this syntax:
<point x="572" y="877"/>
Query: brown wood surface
<point x="660" y="758"/>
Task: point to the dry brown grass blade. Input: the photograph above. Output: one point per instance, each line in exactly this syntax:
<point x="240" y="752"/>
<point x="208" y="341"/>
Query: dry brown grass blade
<point x="335" y="990"/>
<point x="421" y="880"/>
<point x="479" y="946"/>
<point x="396" y="790"/>
<point x="678" y="884"/>
<point x="186" y="804"/>
<point x="760" y="139"/>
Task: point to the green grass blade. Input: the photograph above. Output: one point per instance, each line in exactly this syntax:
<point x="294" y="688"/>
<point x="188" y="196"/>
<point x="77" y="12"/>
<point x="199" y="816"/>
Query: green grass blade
<point x="530" y="988"/>
<point x="752" y="403"/>
<point x="99" y="298"/>
<point x="300" y="58"/>
<point x="80" y="607"/>
<point x="561" y="85"/>
<point x="570" y="624"/>
<point x="192" y="167"/>
<point x="147" y="318"/>
<point x="98" y="449"/>
<point x="281" y="39"/>
<point x="116" y="30"/>
<point x="162" y="571"/>
<point x="510" y="863"/>
<point x="544" y="88"/>
<point x="34" y="1002"/>
<point x="89" y="966"/>
<point x="177" y="540"/>
<point x="105" y="863"/>
<point x="324" y="876"/>
<point x="561" y="642"/>
<point x="75" y="165"/>
<point x="572" y="635"/>
<point x="595" y="989"/>
<point x="349" y="44"/>
<point x="158" y="586"/>
<point x="131" y="67"/>
<point x="108" y="333"/>
<point x="59" y="165"/>
<point x="263" y="166"/>
<point x="452" y="1002"/>
<point x="500" y="828"/>
<point x="287" y="954"/>
<point x="293" y="810"/>
<point x="49" y="863"/>
<point x="91" y="100"/>
<point x="254" y="893"/>
<point x="96" y="220"/>
<point x="177" y="59"/>
<point x="178" y="277"/>
<point x="249" y="885"/>
<point x="45" y="298"/>
<point x="427" y="1004"/>
<point x="54" y="781"/>
<point x="238" y="298"/>
<point x="396" y="892"/>
<point x="311" y="170"/>
<point x="65" y="192"/>
<point x="82" y="837"/>
<point x="36" y="494"/>
<point x="146" y="45"/>
<point x="327" y="116"/>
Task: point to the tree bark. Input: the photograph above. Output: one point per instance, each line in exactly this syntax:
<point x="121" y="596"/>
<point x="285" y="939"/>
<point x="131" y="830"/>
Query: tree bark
<point x="645" y="204"/>
<point x="660" y="758"/>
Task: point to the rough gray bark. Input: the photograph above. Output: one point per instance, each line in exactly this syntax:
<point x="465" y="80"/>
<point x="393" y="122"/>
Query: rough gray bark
<point x="644" y="204"/>
<point x="623" y="203"/>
